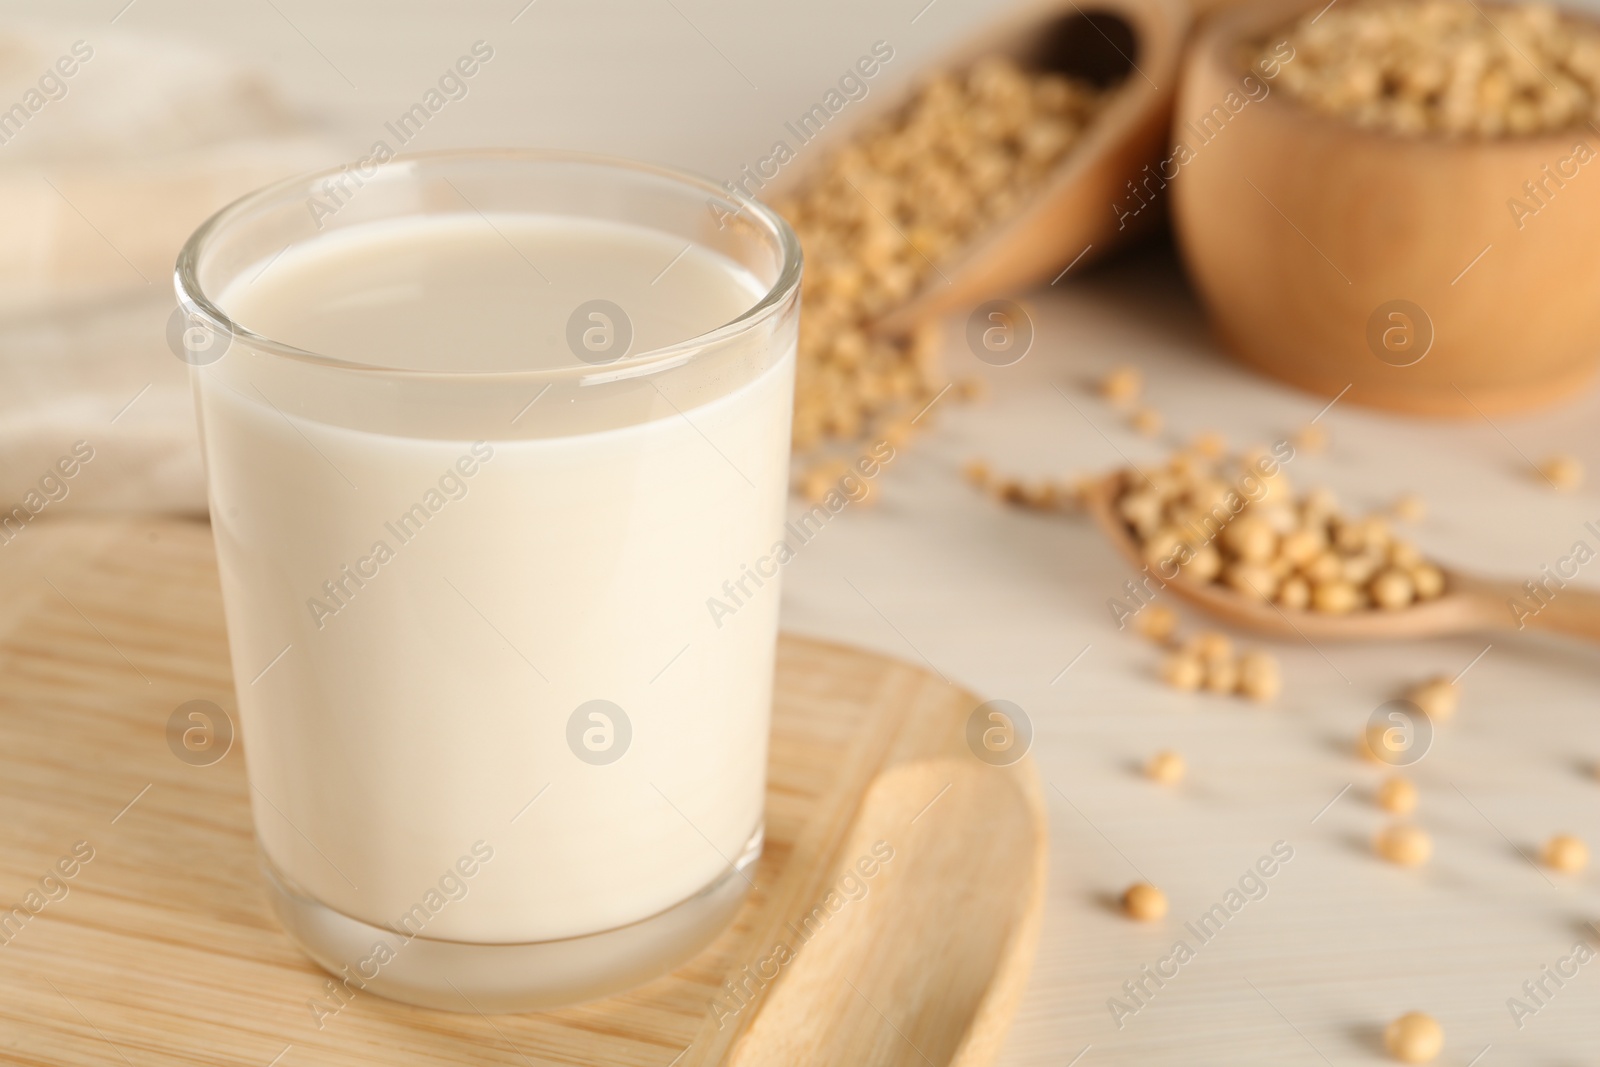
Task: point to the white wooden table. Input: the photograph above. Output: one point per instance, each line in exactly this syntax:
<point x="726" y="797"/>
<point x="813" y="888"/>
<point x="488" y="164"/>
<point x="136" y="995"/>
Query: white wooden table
<point x="1004" y="601"/>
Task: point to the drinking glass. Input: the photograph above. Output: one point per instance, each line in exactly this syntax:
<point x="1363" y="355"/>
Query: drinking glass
<point x="497" y="487"/>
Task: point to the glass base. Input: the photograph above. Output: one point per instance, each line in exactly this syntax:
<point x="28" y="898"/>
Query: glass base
<point x="529" y="976"/>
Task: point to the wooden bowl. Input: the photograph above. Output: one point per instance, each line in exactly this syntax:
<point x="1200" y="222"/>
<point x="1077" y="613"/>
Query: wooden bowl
<point x="1331" y="256"/>
<point x="1134" y="44"/>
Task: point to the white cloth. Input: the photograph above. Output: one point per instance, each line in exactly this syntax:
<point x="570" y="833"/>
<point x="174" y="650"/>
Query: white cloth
<point x="104" y="172"/>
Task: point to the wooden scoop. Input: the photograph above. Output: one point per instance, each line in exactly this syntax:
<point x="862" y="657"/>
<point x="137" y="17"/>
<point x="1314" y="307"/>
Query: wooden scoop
<point x="1086" y="206"/>
<point x="1469" y="604"/>
<point x="1133" y="44"/>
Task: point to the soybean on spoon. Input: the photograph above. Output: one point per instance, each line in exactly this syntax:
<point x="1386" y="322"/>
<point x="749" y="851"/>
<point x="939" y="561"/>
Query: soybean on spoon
<point x="1469" y="604"/>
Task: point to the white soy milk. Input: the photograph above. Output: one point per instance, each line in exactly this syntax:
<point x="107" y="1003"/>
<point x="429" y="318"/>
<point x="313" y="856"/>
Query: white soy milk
<point x="414" y="621"/>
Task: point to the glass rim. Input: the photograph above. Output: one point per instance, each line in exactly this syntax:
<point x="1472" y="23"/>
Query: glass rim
<point x="193" y="297"/>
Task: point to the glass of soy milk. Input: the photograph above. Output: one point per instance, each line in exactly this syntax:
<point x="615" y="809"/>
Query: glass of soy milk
<point x="487" y="437"/>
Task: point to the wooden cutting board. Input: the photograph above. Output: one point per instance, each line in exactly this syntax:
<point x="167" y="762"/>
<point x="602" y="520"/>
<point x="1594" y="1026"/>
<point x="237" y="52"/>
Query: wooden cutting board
<point x="161" y="947"/>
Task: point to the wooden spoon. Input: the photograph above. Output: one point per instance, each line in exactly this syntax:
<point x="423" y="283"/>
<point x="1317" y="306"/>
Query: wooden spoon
<point x="1075" y="212"/>
<point x="1133" y="44"/>
<point x="1470" y="604"/>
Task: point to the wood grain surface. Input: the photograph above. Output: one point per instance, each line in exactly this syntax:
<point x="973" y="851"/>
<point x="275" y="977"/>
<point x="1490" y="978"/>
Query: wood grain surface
<point x="159" y="945"/>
